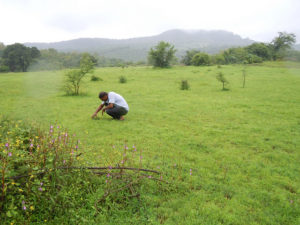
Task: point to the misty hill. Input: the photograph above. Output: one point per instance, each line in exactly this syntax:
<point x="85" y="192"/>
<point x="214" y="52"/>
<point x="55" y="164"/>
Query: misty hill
<point x="136" y="49"/>
<point x="296" y="47"/>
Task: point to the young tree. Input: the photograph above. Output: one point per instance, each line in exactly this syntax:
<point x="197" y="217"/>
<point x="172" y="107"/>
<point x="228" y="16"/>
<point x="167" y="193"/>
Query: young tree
<point x="74" y="77"/>
<point x="220" y="77"/>
<point x="244" y="76"/>
<point x="162" y="55"/>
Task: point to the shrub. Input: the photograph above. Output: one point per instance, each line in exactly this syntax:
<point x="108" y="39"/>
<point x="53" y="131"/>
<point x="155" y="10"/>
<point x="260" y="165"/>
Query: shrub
<point x="122" y="79"/>
<point x="95" y="78"/>
<point x="220" y="77"/>
<point x="184" y="85"/>
<point x="4" y="69"/>
<point x="31" y="181"/>
<point x="253" y="59"/>
<point x="41" y="179"/>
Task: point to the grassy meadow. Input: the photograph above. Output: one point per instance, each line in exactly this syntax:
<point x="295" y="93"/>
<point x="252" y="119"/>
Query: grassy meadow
<point x="234" y="156"/>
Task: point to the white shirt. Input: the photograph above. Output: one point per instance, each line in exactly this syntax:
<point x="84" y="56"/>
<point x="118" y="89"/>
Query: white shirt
<point x="116" y="99"/>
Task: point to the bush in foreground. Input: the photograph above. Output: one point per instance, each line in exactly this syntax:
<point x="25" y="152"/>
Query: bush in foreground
<point x="42" y="180"/>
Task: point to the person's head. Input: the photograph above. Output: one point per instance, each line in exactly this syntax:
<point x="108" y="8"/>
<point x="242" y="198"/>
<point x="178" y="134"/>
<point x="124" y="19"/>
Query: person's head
<point x="103" y="95"/>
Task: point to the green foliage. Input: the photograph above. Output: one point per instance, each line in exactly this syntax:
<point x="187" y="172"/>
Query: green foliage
<point x="32" y="186"/>
<point x="122" y="79"/>
<point x="187" y="59"/>
<point x="184" y="85"/>
<point x="87" y="63"/>
<point x="282" y="43"/>
<point x="220" y="77"/>
<point x="51" y="59"/>
<point x="4" y="68"/>
<point x="241" y="56"/>
<point x="250" y="59"/>
<point x="41" y="178"/>
<point x="18" y="57"/>
<point x="73" y="81"/>
<point x="218" y="59"/>
<point x="74" y="77"/>
<point x="235" y="55"/>
<point x="201" y="59"/>
<point x="261" y="50"/>
<point x="162" y="55"/>
<point x="110" y="62"/>
<point x="96" y="78"/>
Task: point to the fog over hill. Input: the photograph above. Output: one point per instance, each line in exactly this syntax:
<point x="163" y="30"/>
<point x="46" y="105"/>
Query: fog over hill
<point x="135" y="49"/>
<point x="297" y="47"/>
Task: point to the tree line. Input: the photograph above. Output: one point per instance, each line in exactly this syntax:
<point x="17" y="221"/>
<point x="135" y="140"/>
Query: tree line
<point x="163" y="54"/>
<point x="17" y="57"/>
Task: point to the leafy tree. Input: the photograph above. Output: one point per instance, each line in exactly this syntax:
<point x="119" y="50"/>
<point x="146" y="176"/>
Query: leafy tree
<point x="87" y="63"/>
<point x="235" y="55"/>
<point x="261" y="50"/>
<point x="162" y="55"/>
<point x="218" y="59"/>
<point x="201" y="59"/>
<point x="282" y="43"/>
<point x="220" y="77"/>
<point x="74" y="77"/>
<point x="18" y="57"/>
<point x="187" y="59"/>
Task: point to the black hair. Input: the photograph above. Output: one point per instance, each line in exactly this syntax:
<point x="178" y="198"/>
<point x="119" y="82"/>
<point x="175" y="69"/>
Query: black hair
<point x="102" y="94"/>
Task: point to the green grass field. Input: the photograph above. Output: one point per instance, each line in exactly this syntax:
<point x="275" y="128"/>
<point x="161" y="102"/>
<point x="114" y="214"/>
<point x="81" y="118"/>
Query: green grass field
<point x="243" y="145"/>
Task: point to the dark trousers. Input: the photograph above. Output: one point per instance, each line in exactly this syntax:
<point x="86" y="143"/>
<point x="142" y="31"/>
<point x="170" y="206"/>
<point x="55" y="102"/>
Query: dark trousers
<point x="116" y="112"/>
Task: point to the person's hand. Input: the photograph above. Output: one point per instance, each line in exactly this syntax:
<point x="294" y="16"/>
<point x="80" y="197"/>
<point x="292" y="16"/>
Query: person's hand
<point x="103" y="110"/>
<point x="94" y="115"/>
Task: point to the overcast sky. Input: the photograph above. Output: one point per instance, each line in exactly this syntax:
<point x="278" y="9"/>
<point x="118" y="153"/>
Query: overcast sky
<point x="57" y="20"/>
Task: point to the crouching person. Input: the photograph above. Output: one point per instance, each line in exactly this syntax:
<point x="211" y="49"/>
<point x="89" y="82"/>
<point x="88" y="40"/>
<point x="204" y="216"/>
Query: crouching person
<point x="113" y="104"/>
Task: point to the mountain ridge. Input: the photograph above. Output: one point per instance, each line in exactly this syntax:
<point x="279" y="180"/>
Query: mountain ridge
<point x="135" y="49"/>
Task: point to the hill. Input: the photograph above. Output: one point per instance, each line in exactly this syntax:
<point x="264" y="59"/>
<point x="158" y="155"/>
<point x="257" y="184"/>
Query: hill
<point x="297" y="47"/>
<point x="136" y="49"/>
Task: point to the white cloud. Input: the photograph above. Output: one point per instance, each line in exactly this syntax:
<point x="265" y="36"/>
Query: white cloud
<point x="55" y="20"/>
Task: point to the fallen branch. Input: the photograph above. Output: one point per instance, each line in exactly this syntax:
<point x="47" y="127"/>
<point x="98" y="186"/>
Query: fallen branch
<point x="111" y="192"/>
<point x="111" y="168"/>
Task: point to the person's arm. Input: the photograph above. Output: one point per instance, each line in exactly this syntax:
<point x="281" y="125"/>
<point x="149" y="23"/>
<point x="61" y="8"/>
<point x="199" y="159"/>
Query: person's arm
<point x="98" y="109"/>
<point x="110" y="105"/>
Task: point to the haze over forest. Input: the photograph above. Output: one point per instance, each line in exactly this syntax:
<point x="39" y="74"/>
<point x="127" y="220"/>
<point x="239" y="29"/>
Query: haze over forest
<point x="137" y="48"/>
